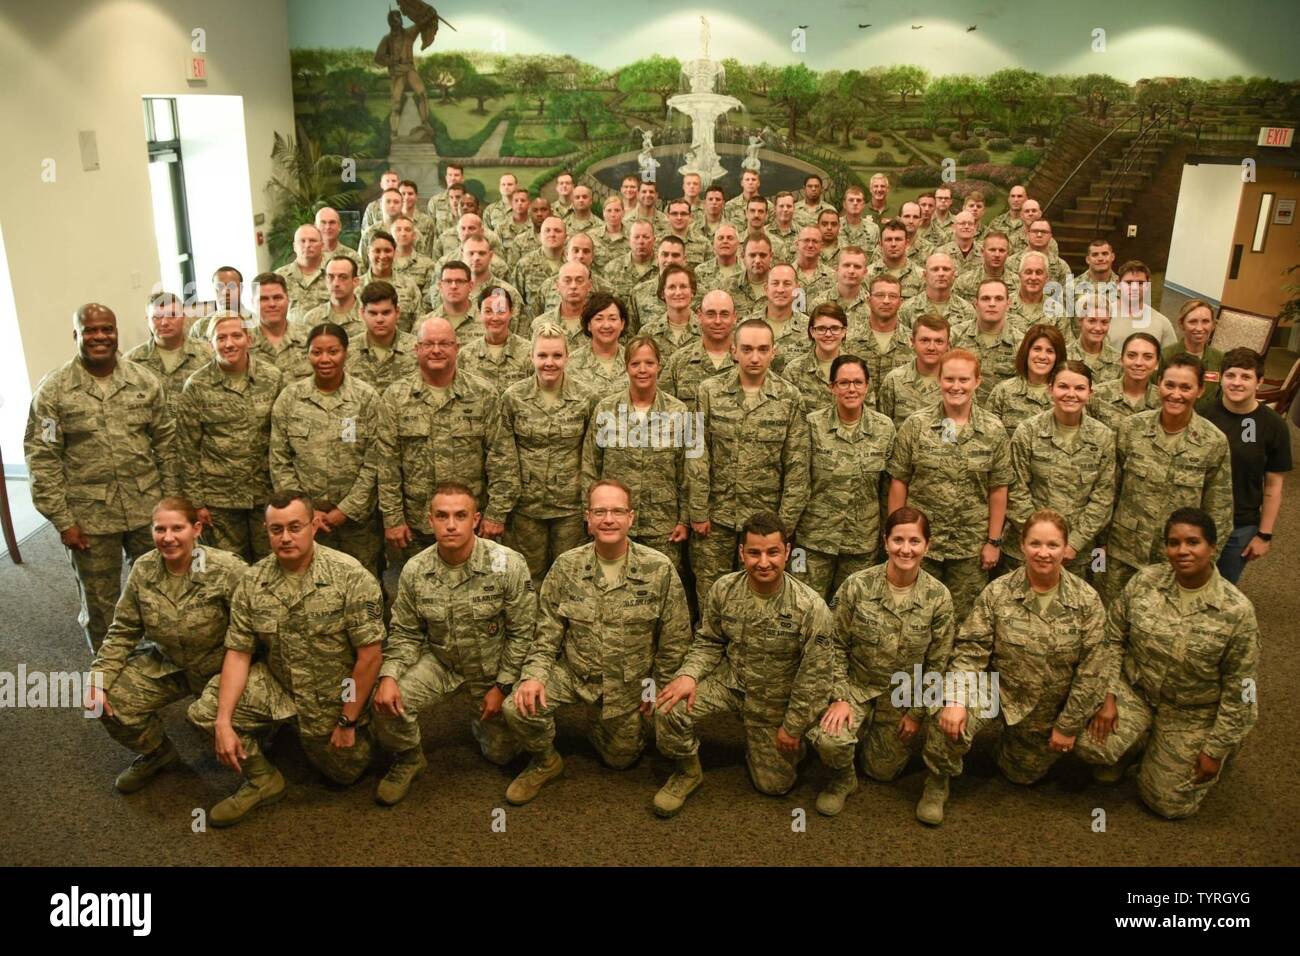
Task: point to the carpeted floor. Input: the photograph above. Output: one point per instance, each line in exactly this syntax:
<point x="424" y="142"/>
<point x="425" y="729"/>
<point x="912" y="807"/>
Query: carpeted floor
<point x="57" y="768"/>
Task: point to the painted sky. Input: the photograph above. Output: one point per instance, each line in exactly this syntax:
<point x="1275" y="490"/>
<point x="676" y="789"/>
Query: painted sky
<point x="1205" y="38"/>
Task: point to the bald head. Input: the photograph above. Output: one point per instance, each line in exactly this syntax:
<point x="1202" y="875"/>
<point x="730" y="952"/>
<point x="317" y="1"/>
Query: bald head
<point x="434" y="328"/>
<point x="94" y="329"/>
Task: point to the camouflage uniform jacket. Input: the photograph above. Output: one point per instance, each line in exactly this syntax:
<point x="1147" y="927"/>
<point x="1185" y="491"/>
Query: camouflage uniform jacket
<point x="196" y="355"/>
<point x="541" y="449"/>
<point x="690" y="367"/>
<point x="380" y="371"/>
<point x="904" y="391"/>
<point x="514" y="365"/>
<point x="847" y="467"/>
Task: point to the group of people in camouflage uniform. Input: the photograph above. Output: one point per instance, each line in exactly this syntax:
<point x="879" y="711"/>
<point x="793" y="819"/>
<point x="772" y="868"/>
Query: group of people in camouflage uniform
<point x="878" y="446"/>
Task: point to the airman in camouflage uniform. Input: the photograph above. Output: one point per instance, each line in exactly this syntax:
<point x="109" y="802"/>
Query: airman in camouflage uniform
<point x="434" y="426"/>
<point x="710" y="355"/>
<point x="288" y="350"/>
<point x="499" y="357"/>
<point x="1072" y="474"/>
<point x="382" y="355"/>
<point x="812" y="205"/>
<point x="993" y="254"/>
<point x="305" y="276"/>
<point x="840" y="527"/>
<point x="223" y="439"/>
<point x="1052" y="667"/>
<point x="320" y="442"/>
<point x="537" y="271"/>
<point x="410" y="300"/>
<point x="1112" y="408"/>
<point x="1030" y="306"/>
<point x="659" y="460"/>
<point x="749" y="289"/>
<point x="937" y="297"/>
<point x="539" y="436"/>
<point x="99" y="446"/>
<point x="464" y="617"/>
<point x="761" y="653"/>
<point x="165" y="643"/>
<point x="909" y="275"/>
<point x="343" y="308"/>
<point x="635" y="264"/>
<point x="993" y="337"/>
<point x="848" y="290"/>
<point x="914" y="385"/>
<point x="734" y="209"/>
<point x="965" y="258"/>
<point x="168" y="353"/>
<point x="1104" y="364"/>
<point x="957" y="480"/>
<point x="1181" y="661"/>
<point x="313" y="619"/>
<point x="1015" y="400"/>
<point x="878" y="636"/>
<point x="756" y="438"/>
<point x="1154" y="480"/>
<point x="609" y="630"/>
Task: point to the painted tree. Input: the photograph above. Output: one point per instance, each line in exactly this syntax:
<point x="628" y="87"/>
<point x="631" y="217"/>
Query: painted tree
<point x="445" y="72"/>
<point x="1101" y="91"/>
<point x="737" y="77"/>
<point x="795" y="90"/>
<point x="581" y="108"/>
<point x="866" y="87"/>
<point x="762" y="77"/>
<point x="905" y="80"/>
<point x="480" y="87"/>
<point x="961" y="96"/>
<point x="656" y="74"/>
<point x="1014" y="91"/>
<point x="834" y="109"/>
<point x="1187" y="92"/>
<point x="529" y="77"/>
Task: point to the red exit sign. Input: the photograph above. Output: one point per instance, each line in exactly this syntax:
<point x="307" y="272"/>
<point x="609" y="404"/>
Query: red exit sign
<point x="1275" y="136"/>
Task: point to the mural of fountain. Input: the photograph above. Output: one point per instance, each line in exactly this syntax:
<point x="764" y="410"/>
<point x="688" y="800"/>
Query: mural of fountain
<point x="703" y="104"/>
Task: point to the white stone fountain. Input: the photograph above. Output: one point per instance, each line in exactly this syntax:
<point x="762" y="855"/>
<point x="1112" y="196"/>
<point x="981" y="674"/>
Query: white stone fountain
<point x="703" y="104"/>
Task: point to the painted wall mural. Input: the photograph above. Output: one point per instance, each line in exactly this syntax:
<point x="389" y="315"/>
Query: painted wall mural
<point x="411" y="87"/>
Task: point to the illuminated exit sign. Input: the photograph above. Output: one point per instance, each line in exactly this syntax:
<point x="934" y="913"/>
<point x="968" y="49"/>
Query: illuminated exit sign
<point x="1275" y="136"/>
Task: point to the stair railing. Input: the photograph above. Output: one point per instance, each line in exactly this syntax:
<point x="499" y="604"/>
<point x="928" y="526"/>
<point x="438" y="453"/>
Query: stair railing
<point x="1084" y="162"/>
<point x="1159" y="120"/>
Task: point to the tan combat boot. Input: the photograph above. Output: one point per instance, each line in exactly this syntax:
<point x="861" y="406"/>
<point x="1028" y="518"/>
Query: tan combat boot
<point x="831" y="800"/>
<point x="262" y="786"/>
<point x="397" y="782"/>
<point x="930" y="807"/>
<point x="685" y="781"/>
<point x="539" y="771"/>
<point x="144" y="767"/>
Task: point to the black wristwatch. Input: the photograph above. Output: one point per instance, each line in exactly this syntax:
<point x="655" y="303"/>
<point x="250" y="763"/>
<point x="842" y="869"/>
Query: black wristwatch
<point x="1263" y="536"/>
<point x="996" y="542"/>
<point x="344" y="722"/>
<point x="504" y="688"/>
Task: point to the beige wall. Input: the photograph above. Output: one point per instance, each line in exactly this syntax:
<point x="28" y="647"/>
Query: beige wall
<point x="1258" y="286"/>
<point x="67" y="66"/>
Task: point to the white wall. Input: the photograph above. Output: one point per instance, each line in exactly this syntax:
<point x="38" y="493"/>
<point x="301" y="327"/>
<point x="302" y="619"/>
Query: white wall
<point x="15" y="387"/>
<point x="69" y="65"/>
<point x="1204" y="222"/>
<point x="217" y="190"/>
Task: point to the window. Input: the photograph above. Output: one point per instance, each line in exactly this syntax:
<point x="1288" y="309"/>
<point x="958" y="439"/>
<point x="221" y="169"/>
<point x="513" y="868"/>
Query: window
<point x="167" y="182"/>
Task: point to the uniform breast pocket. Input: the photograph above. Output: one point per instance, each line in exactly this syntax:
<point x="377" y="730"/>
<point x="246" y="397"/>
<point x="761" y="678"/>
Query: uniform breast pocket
<point x="1201" y="655"/>
<point x="871" y="465"/>
<point x="138" y="414"/>
<point x="570" y="429"/>
<point x="979" y="462"/>
<point x="1189" y="476"/>
<point x="412" y="429"/>
<point x="79" y="423"/>
<point x="217" y="411"/>
<point x="581" y="619"/>
<point x="299" y="432"/>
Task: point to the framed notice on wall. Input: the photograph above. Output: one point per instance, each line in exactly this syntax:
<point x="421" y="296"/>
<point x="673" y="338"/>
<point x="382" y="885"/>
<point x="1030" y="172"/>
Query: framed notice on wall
<point x="1284" y="215"/>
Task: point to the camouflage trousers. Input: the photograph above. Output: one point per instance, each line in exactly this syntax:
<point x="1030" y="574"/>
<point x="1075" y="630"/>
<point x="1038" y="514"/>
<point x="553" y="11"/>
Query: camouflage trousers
<point x="138" y="694"/>
<point x="542" y="540"/>
<point x="712" y="556"/>
<point x="874" y="731"/>
<point x="1023" y="752"/>
<point x="824" y="572"/>
<point x="262" y="707"/>
<point x="1112" y="582"/>
<point x="362" y="539"/>
<point x="672" y="550"/>
<point x="99" y="577"/>
<point x="772" y="770"/>
<point x="964" y="578"/>
<point x="423" y="685"/>
<point x="1169" y="738"/>
<point x="619" y="740"/>
<point x="240" y="531"/>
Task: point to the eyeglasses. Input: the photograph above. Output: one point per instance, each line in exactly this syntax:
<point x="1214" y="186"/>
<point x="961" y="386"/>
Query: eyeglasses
<point x="826" y="329"/>
<point x="438" y="344"/>
<point x="852" y="385"/>
<point x="278" y="529"/>
<point x="601" y="514"/>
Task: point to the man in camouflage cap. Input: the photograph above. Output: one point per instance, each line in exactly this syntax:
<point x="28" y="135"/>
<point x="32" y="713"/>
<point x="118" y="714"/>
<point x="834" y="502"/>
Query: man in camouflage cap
<point x="613" y="624"/>
<point x="463" y="617"/>
<point x="313" y="618"/>
<point x="99" y="446"/>
<point x="762" y="652"/>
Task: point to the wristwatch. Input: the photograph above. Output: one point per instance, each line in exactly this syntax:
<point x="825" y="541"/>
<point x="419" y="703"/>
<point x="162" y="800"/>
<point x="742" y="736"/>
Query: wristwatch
<point x="344" y="722"/>
<point x="504" y="688"/>
<point x="996" y="542"/>
<point x="1264" y="536"/>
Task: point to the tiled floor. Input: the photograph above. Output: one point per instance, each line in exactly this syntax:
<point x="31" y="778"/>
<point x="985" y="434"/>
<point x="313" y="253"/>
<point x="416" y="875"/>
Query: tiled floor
<point x="26" y="518"/>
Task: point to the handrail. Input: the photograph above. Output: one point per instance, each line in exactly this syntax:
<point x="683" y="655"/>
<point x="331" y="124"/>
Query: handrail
<point x="1083" y="162"/>
<point x="1158" y="119"/>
